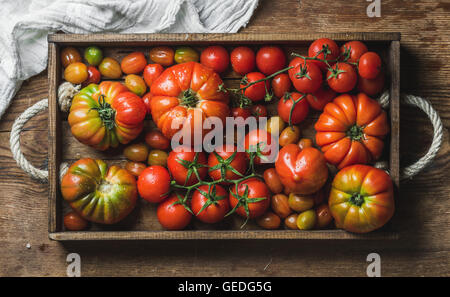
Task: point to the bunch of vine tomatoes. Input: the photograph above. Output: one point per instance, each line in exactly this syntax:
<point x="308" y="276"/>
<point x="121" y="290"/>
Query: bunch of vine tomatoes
<point x="297" y="192"/>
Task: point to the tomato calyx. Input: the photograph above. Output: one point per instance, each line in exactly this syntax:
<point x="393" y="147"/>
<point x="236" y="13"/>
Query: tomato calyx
<point x="106" y="113"/>
<point x="303" y="72"/>
<point x="211" y="196"/>
<point x="255" y="150"/>
<point x="225" y="165"/>
<point x="243" y="201"/>
<point x="355" y="132"/>
<point x="334" y="72"/>
<point x="189" y="98"/>
<point x="288" y="96"/>
<point x="357" y="199"/>
<point x="182" y="201"/>
<point x="192" y="167"/>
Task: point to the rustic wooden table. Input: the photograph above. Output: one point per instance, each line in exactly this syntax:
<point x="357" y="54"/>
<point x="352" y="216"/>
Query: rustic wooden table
<point x="423" y="206"/>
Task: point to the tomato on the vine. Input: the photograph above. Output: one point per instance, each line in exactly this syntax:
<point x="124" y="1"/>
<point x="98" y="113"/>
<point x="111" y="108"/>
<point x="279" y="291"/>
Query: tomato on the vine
<point x="255" y="92"/>
<point x="253" y="193"/>
<point x="328" y="49"/>
<point x="228" y="161"/>
<point x="281" y="84"/>
<point x="342" y="77"/>
<point x="261" y="143"/>
<point x="305" y="76"/>
<point x="321" y="97"/>
<point x="352" y="51"/>
<point x="290" y="114"/>
<point x="258" y="111"/>
<point x="270" y="59"/>
<point x="210" y="203"/>
<point x="182" y="164"/>
<point x="215" y="57"/>
<point x="243" y="60"/>
<point x="173" y="214"/>
<point x="152" y="72"/>
<point x="133" y="63"/>
<point x="243" y="112"/>
<point x="371" y="87"/>
<point x="369" y="65"/>
<point x="154" y="184"/>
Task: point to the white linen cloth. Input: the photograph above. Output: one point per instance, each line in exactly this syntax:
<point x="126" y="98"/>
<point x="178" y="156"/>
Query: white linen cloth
<point x="25" y="24"/>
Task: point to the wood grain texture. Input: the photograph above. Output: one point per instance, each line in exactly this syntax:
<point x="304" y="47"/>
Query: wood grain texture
<point x="422" y="208"/>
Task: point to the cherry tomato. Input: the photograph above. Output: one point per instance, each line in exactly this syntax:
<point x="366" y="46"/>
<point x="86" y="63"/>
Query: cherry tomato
<point x="162" y="55"/>
<point x="243" y="112"/>
<point x="369" y="65"/>
<point x="94" y="76"/>
<point x="257" y="91"/>
<point x="178" y="164"/>
<point x="299" y="203"/>
<point x="321" y="97"/>
<point x="291" y="221"/>
<point x="135" y="84"/>
<point x="172" y="214"/>
<point x="281" y="84"/>
<point x="273" y="181"/>
<point x="93" y="55"/>
<point x="110" y="68"/>
<point x="323" y="44"/>
<point x="157" y="157"/>
<point x="137" y="152"/>
<point x="270" y="59"/>
<point x="269" y="220"/>
<point x="305" y="76"/>
<point x="323" y="215"/>
<point x="264" y="140"/>
<point x="215" y="57"/>
<point x="342" y="77"/>
<point x="210" y="204"/>
<point x="76" y="73"/>
<point x="353" y="50"/>
<point x="228" y="160"/>
<point x="299" y="112"/>
<point x="133" y="63"/>
<point x="256" y="190"/>
<point x="70" y="55"/>
<point x="289" y="135"/>
<point x="74" y="222"/>
<point x="307" y="220"/>
<point x="243" y="60"/>
<point x="154" y="184"/>
<point x="280" y="205"/>
<point x="258" y="111"/>
<point x="275" y="125"/>
<point x="156" y="140"/>
<point x="186" y="54"/>
<point x="371" y="87"/>
<point x="135" y="168"/>
<point x="147" y="98"/>
<point x="304" y="143"/>
<point x="152" y="72"/>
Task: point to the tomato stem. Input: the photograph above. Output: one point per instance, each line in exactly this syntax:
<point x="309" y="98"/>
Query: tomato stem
<point x="106" y="113"/>
<point x="189" y="98"/>
<point x="355" y="132"/>
<point x="357" y="199"/>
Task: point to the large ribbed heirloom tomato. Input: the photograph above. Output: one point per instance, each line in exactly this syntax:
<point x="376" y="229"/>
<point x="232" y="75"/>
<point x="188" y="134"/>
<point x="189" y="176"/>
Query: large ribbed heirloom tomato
<point x="185" y="90"/>
<point x="351" y="130"/>
<point x="99" y="194"/>
<point x="105" y="115"/>
<point x="361" y="198"/>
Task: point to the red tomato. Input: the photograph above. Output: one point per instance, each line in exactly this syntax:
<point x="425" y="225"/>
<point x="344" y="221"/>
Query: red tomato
<point x="353" y="50"/>
<point x="306" y="77"/>
<point x="210" y="204"/>
<point x="172" y="214"/>
<point x="228" y="160"/>
<point x="270" y="59"/>
<point x="152" y="72"/>
<point x="180" y="164"/>
<point x="215" y="57"/>
<point x="371" y="87"/>
<point x="266" y="144"/>
<point x="256" y="190"/>
<point x="133" y="63"/>
<point x="74" y="222"/>
<point x="321" y="97"/>
<point x="154" y="184"/>
<point x="94" y="76"/>
<point x="243" y="60"/>
<point x="257" y="91"/>
<point x="324" y="44"/>
<point x="342" y="78"/>
<point x="259" y="111"/>
<point x="281" y="84"/>
<point x="147" y="98"/>
<point x="300" y="111"/>
<point x="243" y="112"/>
<point x="369" y="65"/>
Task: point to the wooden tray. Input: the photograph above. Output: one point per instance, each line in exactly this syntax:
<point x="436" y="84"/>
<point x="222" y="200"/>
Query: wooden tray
<point x="142" y="224"/>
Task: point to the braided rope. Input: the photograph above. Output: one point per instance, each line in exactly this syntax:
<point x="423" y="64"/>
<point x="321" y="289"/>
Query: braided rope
<point x="66" y="91"/>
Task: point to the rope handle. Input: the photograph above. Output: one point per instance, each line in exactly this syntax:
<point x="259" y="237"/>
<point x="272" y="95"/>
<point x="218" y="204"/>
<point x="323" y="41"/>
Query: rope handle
<point x="67" y="90"/>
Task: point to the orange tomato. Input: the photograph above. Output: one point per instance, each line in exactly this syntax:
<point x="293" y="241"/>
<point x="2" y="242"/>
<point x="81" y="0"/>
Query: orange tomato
<point x="133" y="63"/>
<point x="162" y="55"/>
<point x="76" y="73"/>
<point x="135" y="84"/>
<point x="110" y="68"/>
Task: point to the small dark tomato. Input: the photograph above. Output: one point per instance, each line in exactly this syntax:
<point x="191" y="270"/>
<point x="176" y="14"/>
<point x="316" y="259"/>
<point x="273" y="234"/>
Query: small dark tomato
<point x="273" y="181"/>
<point x="186" y="54"/>
<point x="162" y="55"/>
<point x="269" y="220"/>
<point x="135" y="168"/>
<point x="156" y="140"/>
<point x="73" y="222"/>
<point x="324" y="217"/>
<point x="291" y="221"/>
<point x="137" y="152"/>
<point x="280" y="205"/>
<point x="304" y="143"/>
<point x="70" y="55"/>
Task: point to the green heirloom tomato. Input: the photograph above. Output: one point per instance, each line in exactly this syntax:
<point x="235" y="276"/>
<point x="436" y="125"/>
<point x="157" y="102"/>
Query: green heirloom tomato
<point x="186" y="54"/>
<point x="93" y="55"/>
<point x="99" y="194"/>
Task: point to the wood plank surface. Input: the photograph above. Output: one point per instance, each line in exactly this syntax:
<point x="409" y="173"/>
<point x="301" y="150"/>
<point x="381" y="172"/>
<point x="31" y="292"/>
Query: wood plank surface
<point x="422" y="208"/>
